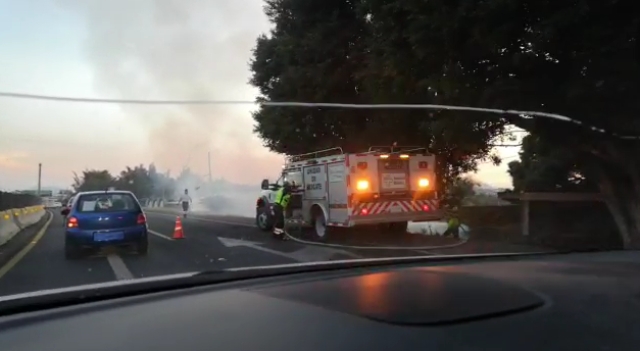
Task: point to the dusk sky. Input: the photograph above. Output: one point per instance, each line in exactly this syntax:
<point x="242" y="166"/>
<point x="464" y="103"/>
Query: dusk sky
<point x="142" y="49"/>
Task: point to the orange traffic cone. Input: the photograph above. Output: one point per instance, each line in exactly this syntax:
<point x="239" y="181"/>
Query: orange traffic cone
<point x="177" y="230"/>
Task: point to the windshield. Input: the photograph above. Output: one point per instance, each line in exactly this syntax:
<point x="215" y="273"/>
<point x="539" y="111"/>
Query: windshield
<point x="106" y="203"/>
<point x="148" y="138"/>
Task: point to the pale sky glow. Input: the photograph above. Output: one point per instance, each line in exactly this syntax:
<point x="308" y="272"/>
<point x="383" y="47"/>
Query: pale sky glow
<point x="142" y="49"/>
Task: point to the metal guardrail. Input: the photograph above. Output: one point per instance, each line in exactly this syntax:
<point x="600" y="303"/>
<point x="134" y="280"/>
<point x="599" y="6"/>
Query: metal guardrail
<point x="12" y="200"/>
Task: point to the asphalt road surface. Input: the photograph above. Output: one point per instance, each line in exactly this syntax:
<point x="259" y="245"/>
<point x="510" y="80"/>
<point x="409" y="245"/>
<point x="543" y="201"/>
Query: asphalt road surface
<point x="34" y="260"/>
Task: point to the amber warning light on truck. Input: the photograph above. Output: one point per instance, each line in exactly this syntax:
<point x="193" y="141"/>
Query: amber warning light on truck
<point x="362" y="185"/>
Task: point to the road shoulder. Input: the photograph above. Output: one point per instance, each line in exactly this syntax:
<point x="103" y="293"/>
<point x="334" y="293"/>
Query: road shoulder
<point x="12" y="247"/>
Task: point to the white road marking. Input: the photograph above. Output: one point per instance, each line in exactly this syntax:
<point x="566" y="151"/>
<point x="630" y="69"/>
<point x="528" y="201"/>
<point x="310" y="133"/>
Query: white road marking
<point x="153" y="232"/>
<point x="229" y="242"/>
<point x="119" y="268"/>
<point x="306" y="254"/>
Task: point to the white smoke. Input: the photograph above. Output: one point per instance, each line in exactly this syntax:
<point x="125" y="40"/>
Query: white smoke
<point x="183" y="49"/>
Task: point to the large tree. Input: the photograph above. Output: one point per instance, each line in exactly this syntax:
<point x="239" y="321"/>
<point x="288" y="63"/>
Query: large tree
<point x="325" y="51"/>
<point x="312" y="54"/>
<point x="544" y="167"/>
<point x="137" y="180"/>
<point x="93" y="180"/>
<point x="577" y="58"/>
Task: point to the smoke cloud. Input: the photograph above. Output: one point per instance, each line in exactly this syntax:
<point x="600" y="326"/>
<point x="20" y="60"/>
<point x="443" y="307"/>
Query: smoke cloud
<point x="182" y="49"/>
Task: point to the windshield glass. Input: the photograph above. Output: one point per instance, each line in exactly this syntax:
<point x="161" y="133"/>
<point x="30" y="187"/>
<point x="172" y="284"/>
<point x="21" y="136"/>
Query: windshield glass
<point x="148" y="138"/>
<point x="106" y="203"/>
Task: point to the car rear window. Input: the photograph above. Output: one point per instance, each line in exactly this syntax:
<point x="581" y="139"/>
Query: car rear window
<point x="107" y="203"/>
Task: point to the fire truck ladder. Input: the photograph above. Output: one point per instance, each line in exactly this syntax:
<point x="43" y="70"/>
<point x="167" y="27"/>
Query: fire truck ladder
<point x="399" y="149"/>
<point x="314" y="155"/>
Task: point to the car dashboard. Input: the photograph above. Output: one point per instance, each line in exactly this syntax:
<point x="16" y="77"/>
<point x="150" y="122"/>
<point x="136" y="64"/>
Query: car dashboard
<point x="580" y="301"/>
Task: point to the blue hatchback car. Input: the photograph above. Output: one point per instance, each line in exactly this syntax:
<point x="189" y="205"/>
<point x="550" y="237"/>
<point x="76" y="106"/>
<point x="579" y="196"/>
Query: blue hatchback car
<point x="104" y="218"/>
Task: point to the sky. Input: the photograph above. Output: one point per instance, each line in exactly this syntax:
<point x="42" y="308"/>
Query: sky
<point x="142" y="49"/>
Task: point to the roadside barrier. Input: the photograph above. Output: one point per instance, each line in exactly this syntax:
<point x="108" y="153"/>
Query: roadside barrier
<point x="14" y="220"/>
<point x="153" y="203"/>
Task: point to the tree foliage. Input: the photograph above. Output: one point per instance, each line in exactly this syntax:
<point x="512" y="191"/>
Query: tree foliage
<point x="460" y="189"/>
<point x="577" y="58"/>
<point x="93" y="180"/>
<point x="142" y="181"/>
<point x="544" y="167"/>
<point x="148" y="182"/>
<point x="326" y="51"/>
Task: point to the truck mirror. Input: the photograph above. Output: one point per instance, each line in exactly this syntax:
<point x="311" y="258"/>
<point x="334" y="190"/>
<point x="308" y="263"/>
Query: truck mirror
<point x="265" y="184"/>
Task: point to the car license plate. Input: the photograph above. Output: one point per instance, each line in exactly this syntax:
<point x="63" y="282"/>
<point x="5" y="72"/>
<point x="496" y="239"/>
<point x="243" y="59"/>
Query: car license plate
<point x="108" y="236"/>
<point x="395" y="209"/>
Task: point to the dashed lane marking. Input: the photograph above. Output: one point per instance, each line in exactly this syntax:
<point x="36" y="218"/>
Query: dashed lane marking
<point x="160" y="235"/>
<point x="119" y="268"/>
<point x="25" y="250"/>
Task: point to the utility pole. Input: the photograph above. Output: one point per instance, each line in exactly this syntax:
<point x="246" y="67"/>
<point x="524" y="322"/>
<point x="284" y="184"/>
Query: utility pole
<point x="39" y="178"/>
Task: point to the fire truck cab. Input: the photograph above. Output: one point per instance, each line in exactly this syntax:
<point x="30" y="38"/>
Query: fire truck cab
<point x="384" y="186"/>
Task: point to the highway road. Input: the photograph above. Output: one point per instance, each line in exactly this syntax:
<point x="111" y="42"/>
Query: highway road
<point x="34" y="259"/>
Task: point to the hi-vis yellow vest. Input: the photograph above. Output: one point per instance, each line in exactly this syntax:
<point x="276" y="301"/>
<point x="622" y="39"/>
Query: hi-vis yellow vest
<point x="282" y="199"/>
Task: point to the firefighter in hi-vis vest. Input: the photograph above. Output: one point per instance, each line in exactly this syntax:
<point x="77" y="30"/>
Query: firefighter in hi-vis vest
<point x="283" y="196"/>
<point x="453" y="225"/>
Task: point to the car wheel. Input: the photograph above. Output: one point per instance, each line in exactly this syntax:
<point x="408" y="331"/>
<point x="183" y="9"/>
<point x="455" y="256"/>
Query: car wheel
<point x="263" y="220"/>
<point x="142" y="248"/>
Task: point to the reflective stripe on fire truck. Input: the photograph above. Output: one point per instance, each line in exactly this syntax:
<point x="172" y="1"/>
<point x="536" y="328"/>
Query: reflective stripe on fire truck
<point x="373" y="208"/>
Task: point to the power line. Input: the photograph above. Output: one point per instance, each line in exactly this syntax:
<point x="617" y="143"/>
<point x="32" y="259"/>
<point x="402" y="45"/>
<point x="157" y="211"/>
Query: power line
<point x="518" y="113"/>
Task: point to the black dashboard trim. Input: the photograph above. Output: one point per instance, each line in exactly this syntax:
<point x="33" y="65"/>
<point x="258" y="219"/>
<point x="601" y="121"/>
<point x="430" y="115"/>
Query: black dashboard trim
<point x="24" y="303"/>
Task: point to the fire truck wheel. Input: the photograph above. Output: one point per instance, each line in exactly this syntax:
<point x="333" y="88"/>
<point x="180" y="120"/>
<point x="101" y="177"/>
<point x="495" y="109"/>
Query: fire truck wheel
<point x="262" y="219"/>
<point x="320" y="229"/>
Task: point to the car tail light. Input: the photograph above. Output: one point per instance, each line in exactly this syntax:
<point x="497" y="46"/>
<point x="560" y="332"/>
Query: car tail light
<point x="425" y="208"/>
<point x="142" y="219"/>
<point x="364" y="212"/>
<point x="72" y="222"/>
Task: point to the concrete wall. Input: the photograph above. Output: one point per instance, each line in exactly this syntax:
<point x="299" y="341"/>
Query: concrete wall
<point x="14" y="220"/>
